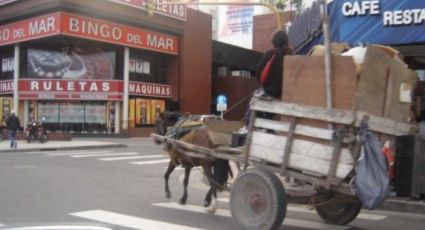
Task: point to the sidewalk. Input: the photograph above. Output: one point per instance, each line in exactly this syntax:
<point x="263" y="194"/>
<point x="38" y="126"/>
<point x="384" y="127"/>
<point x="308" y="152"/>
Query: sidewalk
<point x="396" y="204"/>
<point x="23" y="146"/>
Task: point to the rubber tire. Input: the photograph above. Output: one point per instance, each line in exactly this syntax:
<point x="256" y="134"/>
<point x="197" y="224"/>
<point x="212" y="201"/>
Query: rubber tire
<point x="260" y="183"/>
<point x="43" y="138"/>
<point x="346" y="213"/>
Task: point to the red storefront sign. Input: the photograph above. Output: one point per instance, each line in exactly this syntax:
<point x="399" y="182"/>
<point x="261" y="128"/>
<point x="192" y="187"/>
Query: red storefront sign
<point x="29" y="29"/>
<point x="70" y="89"/>
<point x="88" y="28"/>
<point x="149" y="89"/>
<point x="100" y="30"/>
<point x="6" y="87"/>
<point x="174" y="11"/>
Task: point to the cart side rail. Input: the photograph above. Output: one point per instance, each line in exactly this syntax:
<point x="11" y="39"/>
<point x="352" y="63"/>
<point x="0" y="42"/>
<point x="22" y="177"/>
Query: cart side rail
<point x="326" y="153"/>
<point x="339" y="116"/>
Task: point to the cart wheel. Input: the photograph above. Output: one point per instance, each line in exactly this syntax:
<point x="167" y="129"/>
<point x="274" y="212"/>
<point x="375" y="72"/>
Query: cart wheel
<point x="258" y="200"/>
<point x="339" y="211"/>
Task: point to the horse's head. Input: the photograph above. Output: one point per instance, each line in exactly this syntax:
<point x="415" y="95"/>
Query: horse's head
<point x="165" y="120"/>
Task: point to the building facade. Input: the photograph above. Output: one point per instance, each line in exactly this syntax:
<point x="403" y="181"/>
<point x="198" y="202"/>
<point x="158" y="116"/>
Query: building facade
<point x="102" y="65"/>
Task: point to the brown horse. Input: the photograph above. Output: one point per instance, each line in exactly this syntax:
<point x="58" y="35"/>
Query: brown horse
<point x="216" y="170"/>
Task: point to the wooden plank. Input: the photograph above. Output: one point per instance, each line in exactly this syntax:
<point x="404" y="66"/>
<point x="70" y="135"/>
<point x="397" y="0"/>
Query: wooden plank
<point x="248" y="140"/>
<point x="301" y="162"/>
<point x="385" y="125"/>
<point x="288" y="145"/>
<point x="311" y="112"/>
<point x="304" y="147"/>
<point x="304" y="130"/>
<point x="305" y="155"/>
<point x="335" y="154"/>
<point x="158" y="137"/>
<point x="192" y="147"/>
<point x="223" y="126"/>
<point x="218" y="138"/>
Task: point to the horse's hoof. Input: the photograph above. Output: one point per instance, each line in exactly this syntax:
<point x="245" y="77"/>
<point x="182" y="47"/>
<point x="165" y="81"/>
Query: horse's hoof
<point x="207" y="203"/>
<point x="212" y="209"/>
<point x="183" y="201"/>
<point x="213" y="206"/>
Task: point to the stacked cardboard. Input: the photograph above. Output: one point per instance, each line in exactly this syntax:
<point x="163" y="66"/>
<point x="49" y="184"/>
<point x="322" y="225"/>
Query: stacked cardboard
<point x="382" y="87"/>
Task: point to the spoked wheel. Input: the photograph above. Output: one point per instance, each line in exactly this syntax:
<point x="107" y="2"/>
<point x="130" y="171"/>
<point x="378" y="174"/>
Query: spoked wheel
<point x="43" y="138"/>
<point x="340" y="210"/>
<point x="258" y="200"/>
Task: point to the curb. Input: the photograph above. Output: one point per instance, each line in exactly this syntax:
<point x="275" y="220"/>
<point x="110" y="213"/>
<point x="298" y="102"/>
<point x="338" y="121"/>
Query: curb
<point x="64" y="148"/>
<point x="403" y="205"/>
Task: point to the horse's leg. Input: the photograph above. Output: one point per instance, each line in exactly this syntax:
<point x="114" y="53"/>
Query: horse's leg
<point x="208" y="174"/>
<point x="171" y="167"/>
<point x="185" y="184"/>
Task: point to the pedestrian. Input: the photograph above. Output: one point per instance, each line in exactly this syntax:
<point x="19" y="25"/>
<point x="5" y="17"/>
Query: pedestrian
<point x="270" y="71"/>
<point x="13" y="125"/>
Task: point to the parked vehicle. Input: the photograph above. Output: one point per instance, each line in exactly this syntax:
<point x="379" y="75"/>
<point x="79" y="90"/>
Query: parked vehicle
<point x="36" y="131"/>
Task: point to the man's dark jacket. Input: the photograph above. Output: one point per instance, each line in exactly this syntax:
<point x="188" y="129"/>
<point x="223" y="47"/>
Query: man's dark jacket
<point x="273" y="84"/>
<point x="13" y="123"/>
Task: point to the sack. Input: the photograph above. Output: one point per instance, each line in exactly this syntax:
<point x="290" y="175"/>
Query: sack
<point x="266" y="70"/>
<point x="422" y="130"/>
<point x="371" y="183"/>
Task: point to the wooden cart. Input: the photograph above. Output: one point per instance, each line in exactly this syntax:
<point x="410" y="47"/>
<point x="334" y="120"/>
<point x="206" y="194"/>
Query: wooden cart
<point x="308" y="155"/>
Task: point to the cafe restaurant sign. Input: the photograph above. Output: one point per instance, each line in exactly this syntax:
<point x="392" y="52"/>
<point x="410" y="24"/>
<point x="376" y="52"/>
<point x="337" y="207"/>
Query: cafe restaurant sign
<point x="378" y="21"/>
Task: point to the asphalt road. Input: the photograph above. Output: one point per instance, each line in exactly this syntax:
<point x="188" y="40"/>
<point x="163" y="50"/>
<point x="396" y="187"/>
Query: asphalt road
<point x="123" y="187"/>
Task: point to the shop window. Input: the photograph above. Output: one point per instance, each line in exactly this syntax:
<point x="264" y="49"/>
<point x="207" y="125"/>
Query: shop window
<point x="144" y="112"/>
<point x="74" y="116"/>
<point x="145" y="66"/>
<point x="71" y="60"/>
<point x="5" y="108"/>
<point x="6" y="63"/>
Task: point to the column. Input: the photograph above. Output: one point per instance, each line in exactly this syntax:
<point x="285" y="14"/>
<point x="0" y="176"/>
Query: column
<point x="117" y="117"/>
<point x="26" y="113"/>
<point x="125" y="93"/>
<point x="16" y="79"/>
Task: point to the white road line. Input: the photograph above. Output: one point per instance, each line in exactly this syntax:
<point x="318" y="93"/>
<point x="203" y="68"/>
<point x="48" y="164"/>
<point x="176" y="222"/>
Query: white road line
<point x="131" y="157"/>
<point x="129" y="221"/>
<point x="226" y="213"/>
<point x="301" y="208"/>
<point x="104" y="154"/>
<point x="150" y="162"/>
<point x="74" y="152"/>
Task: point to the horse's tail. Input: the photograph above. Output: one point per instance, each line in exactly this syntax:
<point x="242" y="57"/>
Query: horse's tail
<point x="221" y="173"/>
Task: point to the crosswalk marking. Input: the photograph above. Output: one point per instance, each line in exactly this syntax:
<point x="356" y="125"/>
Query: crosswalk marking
<point x="74" y="152"/>
<point x="131" y="157"/>
<point x="226" y="213"/>
<point x="303" y="208"/>
<point x="108" y="155"/>
<point x="151" y="162"/>
<point x="129" y="221"/>
<point x="103" y="154"/>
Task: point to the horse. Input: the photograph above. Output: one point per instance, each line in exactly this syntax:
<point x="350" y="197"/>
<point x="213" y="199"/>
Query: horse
<point x="217" y="171"/>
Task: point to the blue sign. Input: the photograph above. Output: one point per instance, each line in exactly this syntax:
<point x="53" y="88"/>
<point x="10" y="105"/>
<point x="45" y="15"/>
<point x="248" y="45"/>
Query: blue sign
<point x="388" y="22"/>
<point x="221" y="99"/>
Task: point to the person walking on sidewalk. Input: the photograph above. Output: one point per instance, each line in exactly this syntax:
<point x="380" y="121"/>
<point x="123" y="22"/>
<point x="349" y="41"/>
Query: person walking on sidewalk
<point x="13" y="125"/>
